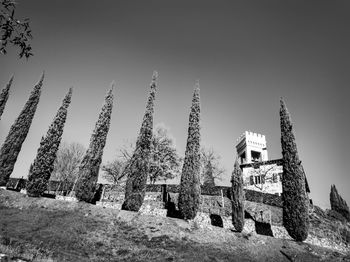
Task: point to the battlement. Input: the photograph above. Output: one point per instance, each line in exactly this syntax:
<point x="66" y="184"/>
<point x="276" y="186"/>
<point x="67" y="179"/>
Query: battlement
<point x="251" y="147"/>
<point x="252" y="137"/>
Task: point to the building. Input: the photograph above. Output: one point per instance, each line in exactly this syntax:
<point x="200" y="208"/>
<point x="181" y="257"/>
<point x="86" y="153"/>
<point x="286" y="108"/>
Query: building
<point x="259" y="173"/>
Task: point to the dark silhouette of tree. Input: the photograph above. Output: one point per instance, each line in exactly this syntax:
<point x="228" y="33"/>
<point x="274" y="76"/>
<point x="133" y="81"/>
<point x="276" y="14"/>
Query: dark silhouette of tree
<point x="18" y="133"/>
<point x="338" y="204"/>
<point x="13" y="31"/>
<point x="237" y="198"/>
<point x="138" y="166"/>
<point x="90" y="165"/>
<point x="295" y="199"/>
<point x="43" y="164"/>
<point x="4" y="95"/>
<point x="189" y="195"/>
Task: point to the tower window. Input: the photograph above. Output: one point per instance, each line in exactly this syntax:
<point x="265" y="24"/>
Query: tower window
<point x="243" y="158"/>
<point x="256" y="156"/>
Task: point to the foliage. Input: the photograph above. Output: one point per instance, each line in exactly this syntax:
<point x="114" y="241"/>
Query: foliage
<point x="210" y="168"/>
<point x="43" y="164"/>
<point x="115" y="171"/>
<point x="4" y="95"/>
<point x="295" y="199"/>
<point x="13" y="31"/>
<point x="138" y="166"/>
<point x="165" y="162"/>
<point x="90" y="165"/>
<point x="237" y="198"/>
<point x="18" y="133"/>
<point x="66" y="165"/>
<point x="338" y="204"/>
<point x="189" y="195"/>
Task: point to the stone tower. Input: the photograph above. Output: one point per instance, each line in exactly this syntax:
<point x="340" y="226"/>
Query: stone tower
<point x="251" y="147"/>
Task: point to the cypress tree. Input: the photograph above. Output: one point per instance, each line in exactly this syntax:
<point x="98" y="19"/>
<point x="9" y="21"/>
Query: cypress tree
<point x="4" y="96"/>
<point x="190" y="191"/>
<point x="43" y="164"/>
<point x="90" y="165"/>
<point x="338" y="204"/>
<point x="138" y="167"/>
<point x="295" y="199"/>
<point x="237" y="198"/>
<point x="18" y="133"/>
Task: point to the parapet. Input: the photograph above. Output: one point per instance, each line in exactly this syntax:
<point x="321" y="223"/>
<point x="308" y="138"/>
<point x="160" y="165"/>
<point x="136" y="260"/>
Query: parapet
<point x="252" y="137"/>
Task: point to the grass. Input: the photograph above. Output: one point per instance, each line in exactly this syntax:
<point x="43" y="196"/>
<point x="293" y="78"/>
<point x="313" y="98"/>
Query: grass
<point x="52" y="230"/>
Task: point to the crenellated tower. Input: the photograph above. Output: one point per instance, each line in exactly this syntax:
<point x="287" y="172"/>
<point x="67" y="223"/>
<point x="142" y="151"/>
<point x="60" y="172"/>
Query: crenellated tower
<point x="251" y="148"/>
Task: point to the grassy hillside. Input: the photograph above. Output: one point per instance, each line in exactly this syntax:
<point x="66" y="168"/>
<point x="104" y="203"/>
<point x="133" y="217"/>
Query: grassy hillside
<point x="52" y="230"/>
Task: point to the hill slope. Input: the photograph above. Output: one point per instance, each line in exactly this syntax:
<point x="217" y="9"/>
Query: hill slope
<point x="52" y="230"/>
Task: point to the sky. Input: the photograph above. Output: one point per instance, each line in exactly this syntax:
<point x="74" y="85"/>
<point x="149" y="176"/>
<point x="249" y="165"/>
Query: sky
<point x="246" y="55"/>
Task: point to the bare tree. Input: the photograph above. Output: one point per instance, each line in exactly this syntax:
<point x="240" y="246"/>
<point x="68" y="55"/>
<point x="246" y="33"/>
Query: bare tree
<point x="210" y="167"/>
<point x="164" y="163"/>
<point x="115" y="172"/>
<point x="262" y="175"/>
<point x="67" y="163"/>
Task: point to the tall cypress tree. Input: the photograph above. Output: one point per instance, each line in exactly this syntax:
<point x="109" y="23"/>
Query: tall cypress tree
<point x="18" y="133"/>
<point x="90" y="165"/>
<point x="190" y="190"/>
<point x="338" y="204"/>
<point x="42" y="167"/>
<point x="295" y="199"/>
<point x="138" y="167"/>
<point x="4" y="95"/>
<point x="237" y="198"/>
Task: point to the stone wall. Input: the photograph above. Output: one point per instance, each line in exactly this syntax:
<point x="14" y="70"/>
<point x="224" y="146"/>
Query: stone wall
<point x="153" y="203"/>
<point x="222" y="206"/>
<point x="265" y="198"/>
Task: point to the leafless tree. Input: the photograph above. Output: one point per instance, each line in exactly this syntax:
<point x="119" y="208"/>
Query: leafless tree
<point x="210" y="166"/>
<point x="262" y="171"/>
<point x="67" y="163"/>
<point x="115" y="171"/>
<point x="165" y="163"/>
